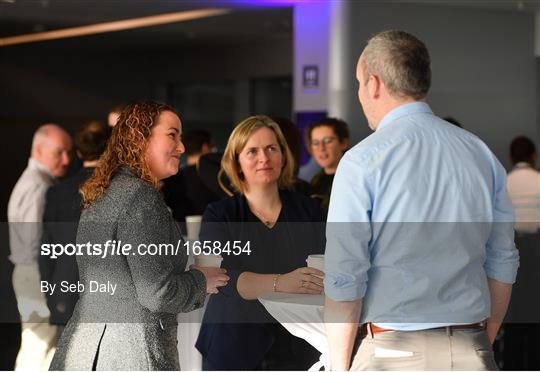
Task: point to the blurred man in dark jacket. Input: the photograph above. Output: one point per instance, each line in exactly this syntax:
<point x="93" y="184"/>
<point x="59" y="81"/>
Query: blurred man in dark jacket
<point x="186" y="193"/>
<point x="61" y="219"/>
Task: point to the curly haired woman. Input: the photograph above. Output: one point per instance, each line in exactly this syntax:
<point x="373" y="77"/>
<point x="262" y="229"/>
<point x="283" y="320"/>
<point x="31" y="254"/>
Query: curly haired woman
<point x="133" y="326"/>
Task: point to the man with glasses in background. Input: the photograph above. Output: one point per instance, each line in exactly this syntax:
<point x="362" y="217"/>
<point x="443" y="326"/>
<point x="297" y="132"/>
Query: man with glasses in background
<point x="327" y="141"/>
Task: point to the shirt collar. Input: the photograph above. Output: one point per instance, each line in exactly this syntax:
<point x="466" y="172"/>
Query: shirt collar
<point x="404" y="110"/>
<point x="522" y="165"/>
<point x="34" y="164"/>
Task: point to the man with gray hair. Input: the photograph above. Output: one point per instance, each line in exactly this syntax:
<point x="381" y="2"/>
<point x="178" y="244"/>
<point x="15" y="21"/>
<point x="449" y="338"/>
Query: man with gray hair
<point x="49" y="160"/>
<point x="420" y="245"/>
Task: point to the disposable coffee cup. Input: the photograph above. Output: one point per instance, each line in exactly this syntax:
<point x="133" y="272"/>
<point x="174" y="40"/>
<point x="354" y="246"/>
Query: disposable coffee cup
<point x="316" y="261"/>
<point x="193" y="225"/>
<point x="211" y="260"/>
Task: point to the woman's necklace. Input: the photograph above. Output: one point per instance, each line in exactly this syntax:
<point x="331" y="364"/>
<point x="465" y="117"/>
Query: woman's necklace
<point x="268" y="222"/>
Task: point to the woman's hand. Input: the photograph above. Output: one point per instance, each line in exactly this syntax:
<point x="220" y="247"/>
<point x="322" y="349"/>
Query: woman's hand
<point x="301" y="280"/>
<point x="215" y="277"/>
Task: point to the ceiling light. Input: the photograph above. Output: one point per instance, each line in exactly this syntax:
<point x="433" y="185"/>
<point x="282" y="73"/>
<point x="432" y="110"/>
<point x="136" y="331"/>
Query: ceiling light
<point x="122" y="25"/>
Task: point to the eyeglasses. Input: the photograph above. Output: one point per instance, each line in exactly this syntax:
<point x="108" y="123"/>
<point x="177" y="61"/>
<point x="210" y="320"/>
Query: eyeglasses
<point x="324" y="141"/>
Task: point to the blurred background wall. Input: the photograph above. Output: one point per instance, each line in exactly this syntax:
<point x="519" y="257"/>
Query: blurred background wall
<point x="218" y="70"/>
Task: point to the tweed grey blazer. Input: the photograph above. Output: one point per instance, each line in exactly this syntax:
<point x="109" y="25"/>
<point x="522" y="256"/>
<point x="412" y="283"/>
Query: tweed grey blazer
<point x="134" y="328"/>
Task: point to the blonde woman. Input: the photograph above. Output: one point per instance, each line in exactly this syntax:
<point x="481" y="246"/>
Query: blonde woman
<point x="132" y="325"/>
<point x="276" y="230"/>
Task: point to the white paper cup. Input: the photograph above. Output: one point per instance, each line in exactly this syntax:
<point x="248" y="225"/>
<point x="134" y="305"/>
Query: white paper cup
<point x="193" y="225"/>
<point x="211" y="260"/>
<point x="316" y="261"/>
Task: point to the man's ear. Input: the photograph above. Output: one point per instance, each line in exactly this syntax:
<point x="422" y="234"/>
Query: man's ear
<point x="345" y="144"/>
<point x="374" y="86"/>
<point x="37" y="151"/>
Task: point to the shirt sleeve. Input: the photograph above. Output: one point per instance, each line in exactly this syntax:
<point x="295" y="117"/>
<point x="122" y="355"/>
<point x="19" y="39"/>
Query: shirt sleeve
<point x="502" y="257"/>
<point x="348" y="232"/>
<point x="26" y="223"/>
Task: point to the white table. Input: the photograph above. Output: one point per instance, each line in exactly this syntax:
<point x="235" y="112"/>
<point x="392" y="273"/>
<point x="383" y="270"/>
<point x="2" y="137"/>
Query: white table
<point x="189" y="325"/>
<point x="302" y="316"/>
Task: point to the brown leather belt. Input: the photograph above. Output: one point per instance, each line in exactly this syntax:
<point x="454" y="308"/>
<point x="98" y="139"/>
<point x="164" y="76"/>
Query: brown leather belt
<point x="370" y="328"/>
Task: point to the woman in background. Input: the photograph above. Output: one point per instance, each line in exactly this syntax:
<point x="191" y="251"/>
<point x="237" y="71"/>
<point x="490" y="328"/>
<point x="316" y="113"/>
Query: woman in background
<point x="327" y="140"/>
<point x="133" y="327"/>
<point x="277" y="230"/>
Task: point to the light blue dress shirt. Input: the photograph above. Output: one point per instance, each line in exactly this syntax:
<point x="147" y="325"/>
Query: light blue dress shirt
<point x="419" y="219"/>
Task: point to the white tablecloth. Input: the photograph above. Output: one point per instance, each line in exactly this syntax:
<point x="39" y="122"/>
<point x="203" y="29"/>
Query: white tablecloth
<point x="302" y="316"/>
<point x="189" y="325"/>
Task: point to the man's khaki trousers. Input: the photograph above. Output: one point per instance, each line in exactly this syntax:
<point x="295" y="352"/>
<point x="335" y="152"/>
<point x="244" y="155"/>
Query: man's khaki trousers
<point x="38" y="336"/>
<point x="438" y="349"/>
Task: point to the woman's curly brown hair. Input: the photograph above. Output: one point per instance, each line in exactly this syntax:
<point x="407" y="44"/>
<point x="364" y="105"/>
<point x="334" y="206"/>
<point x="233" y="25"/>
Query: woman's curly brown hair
<point x="125" y="148"/>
